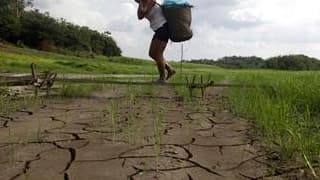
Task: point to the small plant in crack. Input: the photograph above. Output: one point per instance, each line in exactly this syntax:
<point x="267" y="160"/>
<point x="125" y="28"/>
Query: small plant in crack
<point x="36" y="137"/>
<point x="113" y="119"/>
<point x="200" y="105"/>
<point x="39" y="135"/>
<point x="149" y="90"/>
<point x="102" y="119"/>
<point x="12" y="156"/>
<point x="130" y="131"/>
<point x="157" y="130"/>
<point x="131" y="102"/>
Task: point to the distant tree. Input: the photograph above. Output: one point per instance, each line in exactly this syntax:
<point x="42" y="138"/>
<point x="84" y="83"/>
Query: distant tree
<point x="293" y="62"/>
<point x="234" y="62"/>
<point x="238" y="62"/>
<point x="290" y="62"/>
<point x="203" y="61"/>
<point x="10" y="13"/>
<point x="97" y="43"/>
<point x="110" y="47"/>
<point x="9" y="21"/>
<point x="39" y="30"/>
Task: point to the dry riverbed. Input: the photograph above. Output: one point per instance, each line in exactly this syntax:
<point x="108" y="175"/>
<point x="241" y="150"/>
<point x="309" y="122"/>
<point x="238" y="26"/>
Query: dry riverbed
<point x="116" y="136"/>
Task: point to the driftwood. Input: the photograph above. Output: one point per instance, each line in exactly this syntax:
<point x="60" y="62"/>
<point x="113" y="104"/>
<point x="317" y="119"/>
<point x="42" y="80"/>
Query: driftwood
<point x="203" y="85"/>
<point x="42" y="81"/>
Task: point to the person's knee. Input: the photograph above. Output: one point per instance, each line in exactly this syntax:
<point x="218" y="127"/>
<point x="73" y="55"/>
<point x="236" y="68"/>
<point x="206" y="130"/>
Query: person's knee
<point x="152" y="54"/>
<point x="155" y="55"/>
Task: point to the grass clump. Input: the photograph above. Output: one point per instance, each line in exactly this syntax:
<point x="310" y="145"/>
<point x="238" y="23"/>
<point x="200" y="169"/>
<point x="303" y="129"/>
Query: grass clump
<point x="113" y="119"/>
<point x="77" y="90"/>
<point x="10" y="105"/>
<point x="287" y="114"/>
<point x="157" y="130"/>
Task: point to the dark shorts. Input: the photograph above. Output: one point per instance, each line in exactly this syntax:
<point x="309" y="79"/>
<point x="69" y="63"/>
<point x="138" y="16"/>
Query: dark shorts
<point x="162" y="33"/>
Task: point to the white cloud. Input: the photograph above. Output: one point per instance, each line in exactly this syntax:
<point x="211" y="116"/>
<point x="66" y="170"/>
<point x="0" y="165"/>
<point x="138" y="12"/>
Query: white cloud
<point x="288" y="12"/>
<point x="222" y="27"/>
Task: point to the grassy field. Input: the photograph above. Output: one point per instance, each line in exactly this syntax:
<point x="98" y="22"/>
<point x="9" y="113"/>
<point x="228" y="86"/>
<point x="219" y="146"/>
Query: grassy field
<point x="286" y="115"/>
<point x="14" y="59"/>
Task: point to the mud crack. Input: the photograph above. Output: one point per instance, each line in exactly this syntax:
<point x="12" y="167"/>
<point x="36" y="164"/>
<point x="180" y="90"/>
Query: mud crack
<point x="72" y="152"/>
<point x="27" y="165"/>
<point x="30" y="113"/>
<point x="248" y="160"/>
<point x="193" y="164"/>
<point x="131" y="177"/>
<point x="6" y="120"/>
<point x="57" y="120"/>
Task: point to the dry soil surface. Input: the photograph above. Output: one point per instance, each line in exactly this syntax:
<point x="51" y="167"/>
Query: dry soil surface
<point x="113" y="136"/>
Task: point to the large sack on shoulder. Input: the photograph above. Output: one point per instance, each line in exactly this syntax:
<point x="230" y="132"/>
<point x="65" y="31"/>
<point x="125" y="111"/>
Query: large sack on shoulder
<point x="176" y="2"/>
<point x="179" y="20"/>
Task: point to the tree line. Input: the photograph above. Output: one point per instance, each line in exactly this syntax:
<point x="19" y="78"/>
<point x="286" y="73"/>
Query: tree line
<point x="38" y="30"/>
<point x="288" y="62"/>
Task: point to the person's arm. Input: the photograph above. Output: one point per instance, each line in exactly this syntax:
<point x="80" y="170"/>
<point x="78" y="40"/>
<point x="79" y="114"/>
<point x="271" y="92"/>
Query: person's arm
<point x="144" y="8"/>
<point x="142" y="11"/>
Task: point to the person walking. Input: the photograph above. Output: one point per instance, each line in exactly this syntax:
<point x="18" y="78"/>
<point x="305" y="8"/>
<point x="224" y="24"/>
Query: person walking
<point x="152" y="11"/>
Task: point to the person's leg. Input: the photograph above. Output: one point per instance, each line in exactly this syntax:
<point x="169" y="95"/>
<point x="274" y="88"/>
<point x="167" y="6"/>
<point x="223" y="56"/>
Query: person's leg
<point x="170" y="70"/>
<point x="156" y="51"/>
<point x="168" y="67"/>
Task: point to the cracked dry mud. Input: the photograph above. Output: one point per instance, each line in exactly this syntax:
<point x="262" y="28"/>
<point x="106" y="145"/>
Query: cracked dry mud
<point x="77" y="140"/>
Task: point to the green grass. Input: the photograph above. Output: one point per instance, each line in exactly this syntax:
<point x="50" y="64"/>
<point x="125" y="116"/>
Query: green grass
<point x="286" y="115"/>
<point x="78" y="90"/>
<point x="14" y="59"/>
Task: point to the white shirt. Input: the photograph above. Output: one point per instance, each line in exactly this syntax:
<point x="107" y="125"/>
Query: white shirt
<point x="156" y="17"/>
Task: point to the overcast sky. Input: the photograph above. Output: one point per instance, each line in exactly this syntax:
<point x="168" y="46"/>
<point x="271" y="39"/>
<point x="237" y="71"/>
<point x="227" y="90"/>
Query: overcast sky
<point x="221" y="27"/>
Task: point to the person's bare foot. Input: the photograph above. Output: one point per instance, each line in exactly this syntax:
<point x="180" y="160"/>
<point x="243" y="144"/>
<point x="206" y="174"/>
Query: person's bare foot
<point x="170" y="74"/>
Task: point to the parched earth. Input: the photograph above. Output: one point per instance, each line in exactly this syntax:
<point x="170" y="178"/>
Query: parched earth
<point x="113" y="136"/>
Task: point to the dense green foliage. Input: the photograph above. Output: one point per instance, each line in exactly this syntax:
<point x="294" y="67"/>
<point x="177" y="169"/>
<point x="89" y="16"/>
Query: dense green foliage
<point x="290" y="62"/>
<point x="236" y="62"/>
<point x="297" y="62"/>
<point x="10" y="13"/>
<point x="39" y="30"/>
